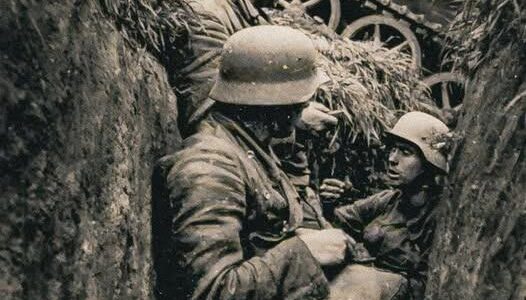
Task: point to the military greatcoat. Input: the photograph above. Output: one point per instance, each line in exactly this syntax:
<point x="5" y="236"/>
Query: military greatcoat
<point x="224" y="222"/>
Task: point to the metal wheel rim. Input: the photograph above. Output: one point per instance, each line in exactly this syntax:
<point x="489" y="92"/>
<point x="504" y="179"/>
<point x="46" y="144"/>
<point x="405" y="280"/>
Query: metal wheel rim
<point x="334" y="19"/>
<point x="352" y="29"/>
<point x="444" y="78"/>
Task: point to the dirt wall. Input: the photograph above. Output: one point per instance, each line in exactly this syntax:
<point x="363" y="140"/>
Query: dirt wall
<point x="83" y="117"/>
<point x="480" y="245"/>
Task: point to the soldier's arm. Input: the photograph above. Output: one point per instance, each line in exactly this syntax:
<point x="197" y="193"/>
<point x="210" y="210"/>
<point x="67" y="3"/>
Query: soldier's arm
<point x="205" y="43"/>
<point x="208" y="195"/>
<point x="354" y="217"/>
<point x="197" y="64"/>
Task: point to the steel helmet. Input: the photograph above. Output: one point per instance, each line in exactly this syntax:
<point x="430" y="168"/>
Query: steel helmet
<point x="427" y="133"/>
<point x="267" y="65"/>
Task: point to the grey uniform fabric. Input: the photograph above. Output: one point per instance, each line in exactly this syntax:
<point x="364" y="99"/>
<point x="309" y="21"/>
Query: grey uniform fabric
<point x="198" y="65"/>
<point x="395" y="234"/>
<point x="224" y="221"/>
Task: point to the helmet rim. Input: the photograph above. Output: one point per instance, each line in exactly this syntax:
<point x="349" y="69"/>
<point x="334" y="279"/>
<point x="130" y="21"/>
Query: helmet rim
<point x="267" y="93"/>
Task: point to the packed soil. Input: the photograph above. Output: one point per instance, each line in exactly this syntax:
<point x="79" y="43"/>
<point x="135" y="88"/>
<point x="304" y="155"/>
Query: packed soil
<point x="84" y="115"/>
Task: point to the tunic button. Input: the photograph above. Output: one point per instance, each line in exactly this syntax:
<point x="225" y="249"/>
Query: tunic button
<point x="250" y="154"/>
<point x="266" y="195"/>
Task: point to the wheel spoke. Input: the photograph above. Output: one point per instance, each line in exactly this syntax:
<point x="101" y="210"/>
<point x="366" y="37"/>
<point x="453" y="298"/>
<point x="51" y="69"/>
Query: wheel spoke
<point x="373" y="26"/>
<point x="445" y="95"/>
<point x="311" y="3"/>
<point x="377" y="35"/>
<point x="283" y="3"/>
<point x="400" y="47"/>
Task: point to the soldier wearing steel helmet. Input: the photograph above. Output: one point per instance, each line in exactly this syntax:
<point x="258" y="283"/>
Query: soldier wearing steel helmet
<point x="394" y="228"/>
<point x="195" y="63"/>
<point x="227" y="216"/>
<point x="194" y="66"/>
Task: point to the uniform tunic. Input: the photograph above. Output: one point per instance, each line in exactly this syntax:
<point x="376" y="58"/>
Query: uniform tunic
<point x="224" y="222"/>
<point x="397" y="235"/>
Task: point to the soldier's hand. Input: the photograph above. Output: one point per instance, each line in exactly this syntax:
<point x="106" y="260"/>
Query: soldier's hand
<point x="315" y="118"/>
<point x="332" y="189"/>
<point x="328" y="246"/>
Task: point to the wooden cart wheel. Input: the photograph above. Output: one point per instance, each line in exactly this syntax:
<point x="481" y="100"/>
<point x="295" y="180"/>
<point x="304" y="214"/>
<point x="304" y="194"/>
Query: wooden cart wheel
<point x="387" y="32"/>
<point x="446" y="89"/>
<point x="306" y="5"/>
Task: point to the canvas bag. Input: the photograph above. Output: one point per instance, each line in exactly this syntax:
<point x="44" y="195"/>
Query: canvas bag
<point x="359" y="282"/>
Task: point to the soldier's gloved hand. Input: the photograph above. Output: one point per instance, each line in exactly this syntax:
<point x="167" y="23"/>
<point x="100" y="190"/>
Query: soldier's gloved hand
<point x="315" y="118"/>
<point x="329" y="246"/>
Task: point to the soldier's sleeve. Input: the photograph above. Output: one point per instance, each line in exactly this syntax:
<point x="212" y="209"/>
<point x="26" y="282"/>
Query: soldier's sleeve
<point x="207" y="194"/>
<point x="354" y="217"/>
<point x="217" y="22"/>
<point x="199" y="63"/>
<point x="206" y="43"/>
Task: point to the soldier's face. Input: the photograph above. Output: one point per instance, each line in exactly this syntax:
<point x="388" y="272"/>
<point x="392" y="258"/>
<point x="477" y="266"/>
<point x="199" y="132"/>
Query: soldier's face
<point x="284" y="120"/>
<point x="405" y="164"/>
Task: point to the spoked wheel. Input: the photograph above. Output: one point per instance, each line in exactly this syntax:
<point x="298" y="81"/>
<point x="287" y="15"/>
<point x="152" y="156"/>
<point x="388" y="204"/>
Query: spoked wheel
<point x="306" y="5"/>
<point x="447" y="90"/>
<point x="387" y="32"/>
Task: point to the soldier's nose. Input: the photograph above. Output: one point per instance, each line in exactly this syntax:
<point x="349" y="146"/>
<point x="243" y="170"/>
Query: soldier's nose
<point x="393" y="157"/>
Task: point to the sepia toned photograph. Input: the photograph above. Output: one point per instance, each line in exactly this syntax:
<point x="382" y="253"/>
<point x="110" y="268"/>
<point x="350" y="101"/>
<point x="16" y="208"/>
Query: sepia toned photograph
<point x="263" y="149"/>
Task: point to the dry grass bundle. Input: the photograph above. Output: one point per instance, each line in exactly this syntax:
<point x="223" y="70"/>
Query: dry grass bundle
<point x="154" y="24"/>
<point x="481" y="26"/>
